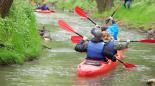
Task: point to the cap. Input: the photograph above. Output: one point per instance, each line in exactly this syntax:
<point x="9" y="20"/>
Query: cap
<point x="97" y="34"/>
<point x="104" y="28"/>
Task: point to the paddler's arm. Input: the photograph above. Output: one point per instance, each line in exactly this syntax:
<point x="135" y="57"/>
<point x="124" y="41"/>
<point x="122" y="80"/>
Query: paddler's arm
<point x="112" y="20"/>
<point x="121" y="45"/>
<point x="109" y="55"/>
<point x="82" y="45"/>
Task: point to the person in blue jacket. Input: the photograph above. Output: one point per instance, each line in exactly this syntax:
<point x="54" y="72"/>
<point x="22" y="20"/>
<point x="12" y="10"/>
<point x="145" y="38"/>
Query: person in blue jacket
<point x="44" y="7"/>
<point x="113" y="29"/>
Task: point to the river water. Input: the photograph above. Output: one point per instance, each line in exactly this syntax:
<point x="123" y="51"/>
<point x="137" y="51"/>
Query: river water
<point x="57" y="66"/>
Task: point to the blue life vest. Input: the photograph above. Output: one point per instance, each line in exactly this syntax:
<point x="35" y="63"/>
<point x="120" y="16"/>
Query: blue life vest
<point x="45" y="7"/>
<point x="113" y="30"/>
<point x="110" y="46"/>
<point x="95" y="50"/>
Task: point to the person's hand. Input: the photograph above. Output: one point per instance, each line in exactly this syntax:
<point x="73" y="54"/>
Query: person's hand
<point x="104" y="28"/>
<point x="128" y="41"/>
<point x="85" y="38"/>
<point x="111" y="18"/>
<point x="97" y="26"/>
<point x="114" y="59"/>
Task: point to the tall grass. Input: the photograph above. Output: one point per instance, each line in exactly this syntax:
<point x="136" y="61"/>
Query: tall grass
<point x="141" y="13"/>
<point x="19" y="35"/>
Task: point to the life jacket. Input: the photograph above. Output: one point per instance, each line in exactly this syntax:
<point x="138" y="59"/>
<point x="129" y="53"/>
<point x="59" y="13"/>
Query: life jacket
<point x="113" y="30"/>
<point x="45" y="7"/>
<point x="95" y="50"/>
<point x="110" y="46"/>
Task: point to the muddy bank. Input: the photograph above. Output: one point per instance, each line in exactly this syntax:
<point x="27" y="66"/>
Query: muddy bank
<point x="149" y="33"/>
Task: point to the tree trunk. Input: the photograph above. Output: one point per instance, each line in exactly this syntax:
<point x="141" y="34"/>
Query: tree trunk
<point x="4" y="7"/>
<point x="42" y="1"/>
<point x="104" y="5"/>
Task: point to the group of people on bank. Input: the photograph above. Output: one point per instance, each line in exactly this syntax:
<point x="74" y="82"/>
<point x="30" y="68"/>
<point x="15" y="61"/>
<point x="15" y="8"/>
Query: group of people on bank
<point x="104" y="44"/>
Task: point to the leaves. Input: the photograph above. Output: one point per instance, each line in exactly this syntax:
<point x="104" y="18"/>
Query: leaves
<point x="18" y="32"/>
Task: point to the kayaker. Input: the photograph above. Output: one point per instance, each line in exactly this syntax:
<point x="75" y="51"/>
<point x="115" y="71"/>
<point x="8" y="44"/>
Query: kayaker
<point x="113" y="45"/>
<point x="43" y="7"/>
<point x="112" y="28"/>
<point x="38" y="6"/>
<point x="95" y="48"/>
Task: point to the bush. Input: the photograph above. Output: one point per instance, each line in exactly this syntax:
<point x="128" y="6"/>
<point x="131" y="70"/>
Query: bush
<point x="19" y="34"/>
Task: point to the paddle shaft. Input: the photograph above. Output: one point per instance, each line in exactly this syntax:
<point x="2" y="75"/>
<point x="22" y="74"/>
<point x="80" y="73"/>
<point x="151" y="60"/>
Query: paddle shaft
<point x="120" y="61"/>
<point x="91" y="21"/>
<point x="116" y="9"/>
<point x="114" y="12"/>
<point x="131" y="41"/>
<point x="78" y="34"/>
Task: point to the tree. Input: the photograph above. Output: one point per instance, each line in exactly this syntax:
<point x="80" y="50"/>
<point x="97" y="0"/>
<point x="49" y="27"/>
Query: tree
<point x="4" y="7"/>
<point x="104" y="5"/>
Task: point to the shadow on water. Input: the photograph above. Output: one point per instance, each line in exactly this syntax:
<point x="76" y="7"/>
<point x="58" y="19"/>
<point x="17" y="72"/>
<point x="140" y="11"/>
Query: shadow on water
<point x="57" y="66"/>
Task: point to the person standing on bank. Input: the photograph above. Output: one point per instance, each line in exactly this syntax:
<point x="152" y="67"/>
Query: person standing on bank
<point x="127" y="3"/>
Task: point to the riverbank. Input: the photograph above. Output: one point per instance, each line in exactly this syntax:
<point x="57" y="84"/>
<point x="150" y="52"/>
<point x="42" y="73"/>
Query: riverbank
<point x="19" y="37"/>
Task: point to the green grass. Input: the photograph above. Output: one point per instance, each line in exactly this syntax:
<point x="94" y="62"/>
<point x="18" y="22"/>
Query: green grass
<point x="141" y="14"/>
<point x="19" y="34"/>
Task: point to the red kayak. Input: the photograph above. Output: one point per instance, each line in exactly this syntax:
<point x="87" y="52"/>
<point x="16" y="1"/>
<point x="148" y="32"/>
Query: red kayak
<point x="44" y="11"/>
<point x="89" y="68"/>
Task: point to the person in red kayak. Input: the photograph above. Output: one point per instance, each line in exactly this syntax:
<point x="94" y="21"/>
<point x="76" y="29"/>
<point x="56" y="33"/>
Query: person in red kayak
<point x="111" y="45"/>
<point x="99" y="49"/>
<point x="94" y="48"/>
<point x="43" y="7"/>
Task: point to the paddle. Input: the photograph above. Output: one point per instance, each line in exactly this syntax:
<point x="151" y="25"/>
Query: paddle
<point x="118" y="6"/>
<point x="76" y="39"/>
<point x="80" y="12"/>
<point x="144" y="41"/>
<point x="66" y="27"/>
<point x="127" y="65"/>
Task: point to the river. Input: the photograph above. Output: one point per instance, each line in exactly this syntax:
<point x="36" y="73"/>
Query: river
<point x="57" y="66"/>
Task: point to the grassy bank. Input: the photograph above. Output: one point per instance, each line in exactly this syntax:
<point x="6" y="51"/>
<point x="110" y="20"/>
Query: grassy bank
<point x="141" y="12"/>
<point x="18" y="34"/>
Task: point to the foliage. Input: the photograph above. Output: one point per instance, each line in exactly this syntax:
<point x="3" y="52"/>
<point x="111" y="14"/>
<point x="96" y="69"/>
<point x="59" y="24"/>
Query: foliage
<point x="141" y="13"/>
<point x="19" y="35"/>
<point x="70" y="4"/>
